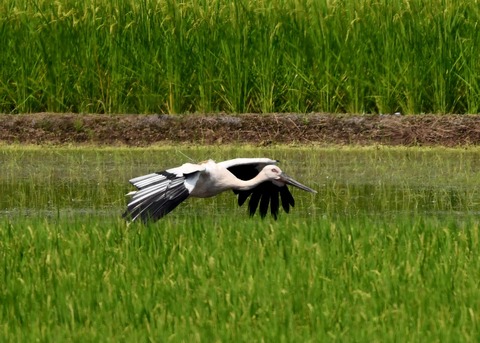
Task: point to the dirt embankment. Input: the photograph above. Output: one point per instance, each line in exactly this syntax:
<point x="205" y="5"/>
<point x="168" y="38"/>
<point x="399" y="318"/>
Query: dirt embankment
<point x="143" y="130"/>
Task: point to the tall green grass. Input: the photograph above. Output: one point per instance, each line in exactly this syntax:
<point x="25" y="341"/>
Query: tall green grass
<point x="387" y="251"/>
<point x="213" y="279"/>
<point x="148" y="56"/>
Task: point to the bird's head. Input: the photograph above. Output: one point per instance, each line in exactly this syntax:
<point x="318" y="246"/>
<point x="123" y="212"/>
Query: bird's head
<point x="272" y="172"/>
<point x="279" y="178"/>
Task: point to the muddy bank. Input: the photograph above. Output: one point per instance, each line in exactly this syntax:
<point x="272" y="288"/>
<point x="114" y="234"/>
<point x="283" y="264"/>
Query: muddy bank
<point x="144" y="130"/>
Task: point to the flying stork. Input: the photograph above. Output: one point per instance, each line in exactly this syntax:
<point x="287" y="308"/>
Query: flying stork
<point x="260" y="179"/>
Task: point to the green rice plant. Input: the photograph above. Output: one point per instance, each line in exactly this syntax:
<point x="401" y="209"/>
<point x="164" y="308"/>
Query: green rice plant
<point x="386" y="251"/>
<point x="239" y="56"/>
<point x="350" y="279"/>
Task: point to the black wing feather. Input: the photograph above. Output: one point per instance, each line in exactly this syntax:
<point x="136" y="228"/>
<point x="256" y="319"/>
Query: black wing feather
<point x="287" y="198"/>
<point x="242" y="196"/>
<point x="244" y="171"/>
<point x="264" y="204"/>
<point x="266" y="194"/>
<point x="165" y="206"/>
<point x="155" y="199"/>
<point x="253" y="203"/>
<point x="274" y="204"/>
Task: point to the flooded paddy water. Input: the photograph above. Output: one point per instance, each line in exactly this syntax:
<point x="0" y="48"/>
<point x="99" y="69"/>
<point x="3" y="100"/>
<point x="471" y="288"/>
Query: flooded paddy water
<point x="350" y="181"/>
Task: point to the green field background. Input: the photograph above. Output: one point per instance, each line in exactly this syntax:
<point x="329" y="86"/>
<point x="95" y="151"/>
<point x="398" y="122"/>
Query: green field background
<point x="129" y="56"/>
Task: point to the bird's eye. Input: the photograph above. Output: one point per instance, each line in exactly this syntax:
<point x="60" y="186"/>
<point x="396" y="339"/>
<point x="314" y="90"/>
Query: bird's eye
<point x="275" y="170"/>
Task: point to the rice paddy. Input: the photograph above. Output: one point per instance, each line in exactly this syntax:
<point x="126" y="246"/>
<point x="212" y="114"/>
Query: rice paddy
<point x="387" y="250"/>
<point x="129" y="56"/>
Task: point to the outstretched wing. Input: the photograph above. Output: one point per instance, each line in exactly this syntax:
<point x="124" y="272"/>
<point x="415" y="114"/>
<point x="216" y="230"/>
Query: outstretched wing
<point x="249" y="163"/>
<point x="263" y="196"/>
<point x="158" y="194"/>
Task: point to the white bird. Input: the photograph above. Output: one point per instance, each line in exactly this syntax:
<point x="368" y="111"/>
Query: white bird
<point x="159" y="193"/>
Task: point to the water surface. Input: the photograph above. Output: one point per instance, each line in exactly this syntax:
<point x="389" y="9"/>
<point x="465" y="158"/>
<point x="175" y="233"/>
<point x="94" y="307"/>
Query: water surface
<point x="52" y="182"/>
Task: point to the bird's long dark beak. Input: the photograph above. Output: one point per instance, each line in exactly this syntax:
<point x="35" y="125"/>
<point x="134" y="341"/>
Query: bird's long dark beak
<point x="288" y="180"/>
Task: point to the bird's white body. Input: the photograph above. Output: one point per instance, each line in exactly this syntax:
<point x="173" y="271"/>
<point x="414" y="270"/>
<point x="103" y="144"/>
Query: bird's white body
<point x="159" y="193"/>
<point x="216" y="178"/>
<point x="213" y="180"/>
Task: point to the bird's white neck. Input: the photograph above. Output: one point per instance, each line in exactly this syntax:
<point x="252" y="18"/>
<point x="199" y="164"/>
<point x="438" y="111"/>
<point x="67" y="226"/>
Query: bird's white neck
<point x="245" y="185"/>
<point x="219" y="179"/>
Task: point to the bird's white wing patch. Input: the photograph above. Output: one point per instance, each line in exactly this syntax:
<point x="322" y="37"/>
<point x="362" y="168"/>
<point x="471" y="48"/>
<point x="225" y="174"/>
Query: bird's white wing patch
<point x="145" y="180"/>
<point x="191" y="181"/>
<point x="140" y="178"/>
<point x="145" y="193"/>
<point x="243" y="161"/>
<point x="185" y="169"/>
